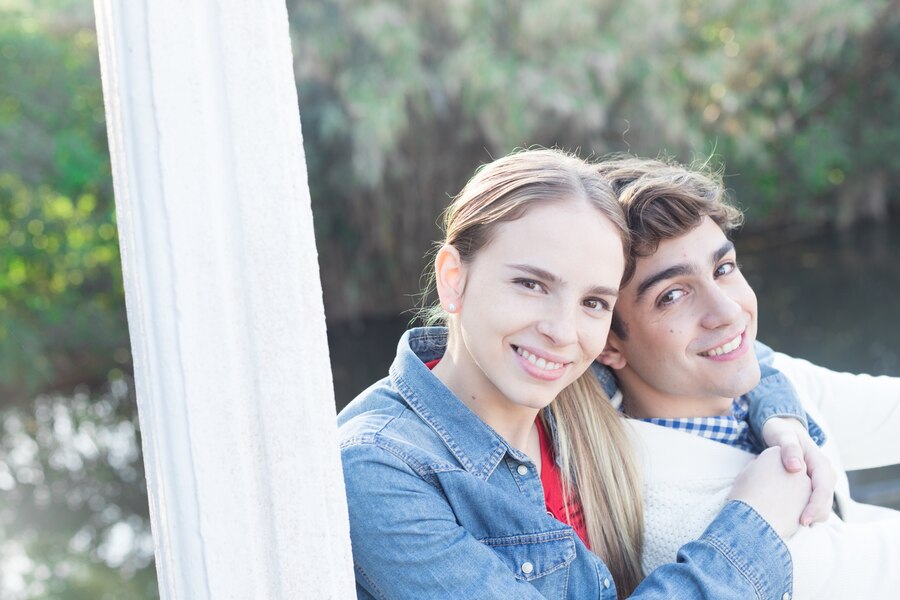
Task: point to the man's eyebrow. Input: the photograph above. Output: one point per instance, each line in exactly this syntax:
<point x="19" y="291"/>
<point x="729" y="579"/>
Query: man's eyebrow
<point x="727" y="247"/>
<point x="678" y="270"/>
<point x="668" y="273"/>
<point x="599" y="290"/>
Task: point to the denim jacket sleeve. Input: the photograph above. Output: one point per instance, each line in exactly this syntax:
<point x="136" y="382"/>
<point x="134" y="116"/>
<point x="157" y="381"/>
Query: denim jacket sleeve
<point x="738" y="556"/>
<point x="774" y="396"/>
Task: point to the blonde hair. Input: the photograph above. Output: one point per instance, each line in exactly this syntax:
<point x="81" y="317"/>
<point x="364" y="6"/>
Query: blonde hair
<point x="594" y="453"/>
<point x="599" y="470"/>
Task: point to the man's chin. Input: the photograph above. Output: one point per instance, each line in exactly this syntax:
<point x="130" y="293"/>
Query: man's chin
<point x="745" y="380"/>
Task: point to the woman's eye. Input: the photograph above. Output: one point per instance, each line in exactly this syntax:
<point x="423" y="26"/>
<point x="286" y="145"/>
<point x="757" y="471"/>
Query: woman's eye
<point x="725" y="268"/>
<point x="670" y="297"/>
<point x="596" y="304"/>
<point x="530" y="284"/>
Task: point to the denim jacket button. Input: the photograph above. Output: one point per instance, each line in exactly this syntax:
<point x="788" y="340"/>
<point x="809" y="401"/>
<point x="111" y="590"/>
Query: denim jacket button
<point x="522" y="470"/>
<point x="606" y="582"/>
<point x="786" y="596"/>
<point x="527" y="568"/>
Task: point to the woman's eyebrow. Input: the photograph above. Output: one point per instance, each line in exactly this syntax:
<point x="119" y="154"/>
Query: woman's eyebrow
<point x="537" y="272"/>
<point x="544" y="275"/>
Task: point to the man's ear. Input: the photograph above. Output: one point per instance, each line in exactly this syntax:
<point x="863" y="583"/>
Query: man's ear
<point x="450" y="277"/>
<point x="613" y="356"/>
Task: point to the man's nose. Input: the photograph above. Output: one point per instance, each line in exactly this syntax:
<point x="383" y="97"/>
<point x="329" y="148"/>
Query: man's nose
<point x="722" y="309"/>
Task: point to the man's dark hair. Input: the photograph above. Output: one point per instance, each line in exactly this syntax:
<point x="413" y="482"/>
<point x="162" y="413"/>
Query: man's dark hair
<point x="664" y="200"/>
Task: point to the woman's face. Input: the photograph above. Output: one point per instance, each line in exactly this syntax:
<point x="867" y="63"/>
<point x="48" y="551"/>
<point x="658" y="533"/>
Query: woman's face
<point x="537" y="302"/>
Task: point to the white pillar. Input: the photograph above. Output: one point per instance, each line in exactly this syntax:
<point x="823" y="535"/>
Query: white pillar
<point x="224" y="300"/>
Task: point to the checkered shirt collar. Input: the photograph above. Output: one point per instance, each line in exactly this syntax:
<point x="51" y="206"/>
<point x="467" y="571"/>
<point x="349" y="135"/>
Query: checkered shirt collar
<point x="731" y="429"/>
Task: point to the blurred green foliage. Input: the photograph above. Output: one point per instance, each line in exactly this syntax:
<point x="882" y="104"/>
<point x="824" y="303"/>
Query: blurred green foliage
<point x="401" y="101"/>
<point x="60" y="287"/>
<point x="62" y="315"/>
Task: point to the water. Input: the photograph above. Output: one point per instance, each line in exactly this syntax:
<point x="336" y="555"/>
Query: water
<point x="830" y="299"/>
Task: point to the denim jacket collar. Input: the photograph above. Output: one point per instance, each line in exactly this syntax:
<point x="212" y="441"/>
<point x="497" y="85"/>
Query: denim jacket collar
<point x="477" y="447"/>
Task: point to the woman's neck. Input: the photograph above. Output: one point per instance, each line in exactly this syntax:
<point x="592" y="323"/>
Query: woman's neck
<point x="514" y="422"/>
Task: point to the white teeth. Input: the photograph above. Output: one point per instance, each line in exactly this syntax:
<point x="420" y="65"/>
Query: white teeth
<point x="540" y="363"/>
<point x="724" y="348"/>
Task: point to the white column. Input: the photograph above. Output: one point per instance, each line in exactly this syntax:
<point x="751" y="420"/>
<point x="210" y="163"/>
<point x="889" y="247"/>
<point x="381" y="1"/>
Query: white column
<point x="224" y="300"/>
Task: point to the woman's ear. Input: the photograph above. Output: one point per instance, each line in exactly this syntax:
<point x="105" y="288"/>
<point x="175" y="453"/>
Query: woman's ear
<point x="450" y="276"/>
<point x="613" y="356"/>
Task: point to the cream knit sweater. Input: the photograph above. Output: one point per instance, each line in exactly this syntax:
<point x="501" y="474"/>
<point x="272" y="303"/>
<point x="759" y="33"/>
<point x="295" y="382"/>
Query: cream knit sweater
<point x="687" y="479"/>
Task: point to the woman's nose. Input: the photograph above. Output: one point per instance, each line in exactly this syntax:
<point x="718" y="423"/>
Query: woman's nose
<point x="559" y="326"/>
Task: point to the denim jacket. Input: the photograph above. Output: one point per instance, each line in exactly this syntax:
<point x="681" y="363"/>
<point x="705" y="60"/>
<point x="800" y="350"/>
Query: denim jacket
<point x="774" y="396"/>
<point x="441" y="506"/>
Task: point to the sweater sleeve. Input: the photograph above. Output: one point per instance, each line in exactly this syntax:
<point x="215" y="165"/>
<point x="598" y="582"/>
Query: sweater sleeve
<point x="862" y="411"/>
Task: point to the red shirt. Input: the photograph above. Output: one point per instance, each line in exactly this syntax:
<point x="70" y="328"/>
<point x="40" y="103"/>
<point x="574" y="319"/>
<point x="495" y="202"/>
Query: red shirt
<point x="551" y="481"/>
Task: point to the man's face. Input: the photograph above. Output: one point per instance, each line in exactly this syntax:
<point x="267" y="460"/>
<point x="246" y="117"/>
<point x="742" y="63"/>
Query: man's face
<point x="690" y="320"/>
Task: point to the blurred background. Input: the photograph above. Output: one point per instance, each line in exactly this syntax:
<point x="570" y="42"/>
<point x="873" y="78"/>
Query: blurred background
<point x="400" y="102"/>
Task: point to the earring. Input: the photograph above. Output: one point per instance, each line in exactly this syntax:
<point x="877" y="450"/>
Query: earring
<point x="451" y="308"/>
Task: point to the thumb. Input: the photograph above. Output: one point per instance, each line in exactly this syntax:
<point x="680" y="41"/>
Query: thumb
<point x="792" y="455"/>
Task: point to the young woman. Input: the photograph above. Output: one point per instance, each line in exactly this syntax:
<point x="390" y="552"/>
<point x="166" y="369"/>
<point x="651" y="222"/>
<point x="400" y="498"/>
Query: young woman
<point x="452" y="487"/>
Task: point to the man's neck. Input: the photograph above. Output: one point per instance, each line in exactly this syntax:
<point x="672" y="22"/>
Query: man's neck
<point x="642" y="402"/>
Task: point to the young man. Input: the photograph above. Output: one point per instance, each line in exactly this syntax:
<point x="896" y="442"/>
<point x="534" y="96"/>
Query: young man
<point x="682" y="350"/>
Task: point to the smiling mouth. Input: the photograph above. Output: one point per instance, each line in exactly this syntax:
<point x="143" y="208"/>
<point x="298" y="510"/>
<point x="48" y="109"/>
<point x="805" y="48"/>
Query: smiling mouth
<point x="727" y="347"/>
<point x="540" y="363"/>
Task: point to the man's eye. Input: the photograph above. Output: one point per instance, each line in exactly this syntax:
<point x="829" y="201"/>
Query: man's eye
<point x="726" y="268"/>
<point x="670" y="297"/>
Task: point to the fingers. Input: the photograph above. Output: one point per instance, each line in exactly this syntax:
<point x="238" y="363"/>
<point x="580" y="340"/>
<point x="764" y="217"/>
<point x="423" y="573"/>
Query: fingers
<point x="823" y="478"/>
<point x="786" y="433"/>
<point x="778" y="496"/>
<point x="800" y="453"/>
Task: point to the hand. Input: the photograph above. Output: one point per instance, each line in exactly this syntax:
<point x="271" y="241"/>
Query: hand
<point x="800" y="453"/>
<point x="776" y="494"/>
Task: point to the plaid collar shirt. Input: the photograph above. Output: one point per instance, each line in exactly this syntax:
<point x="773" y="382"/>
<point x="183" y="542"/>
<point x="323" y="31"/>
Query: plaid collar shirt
<point x="731" y="429"/>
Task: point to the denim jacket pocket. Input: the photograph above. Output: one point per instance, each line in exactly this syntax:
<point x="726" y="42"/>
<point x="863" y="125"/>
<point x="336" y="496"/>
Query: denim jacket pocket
<point x="535" y="555"/>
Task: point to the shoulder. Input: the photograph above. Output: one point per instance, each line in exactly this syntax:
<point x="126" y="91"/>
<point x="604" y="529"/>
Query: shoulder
<point x="378" y="432"/>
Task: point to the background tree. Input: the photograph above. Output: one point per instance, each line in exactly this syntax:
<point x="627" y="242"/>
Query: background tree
<point x="61" y="309"/>
<point x="401" y="101"/>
